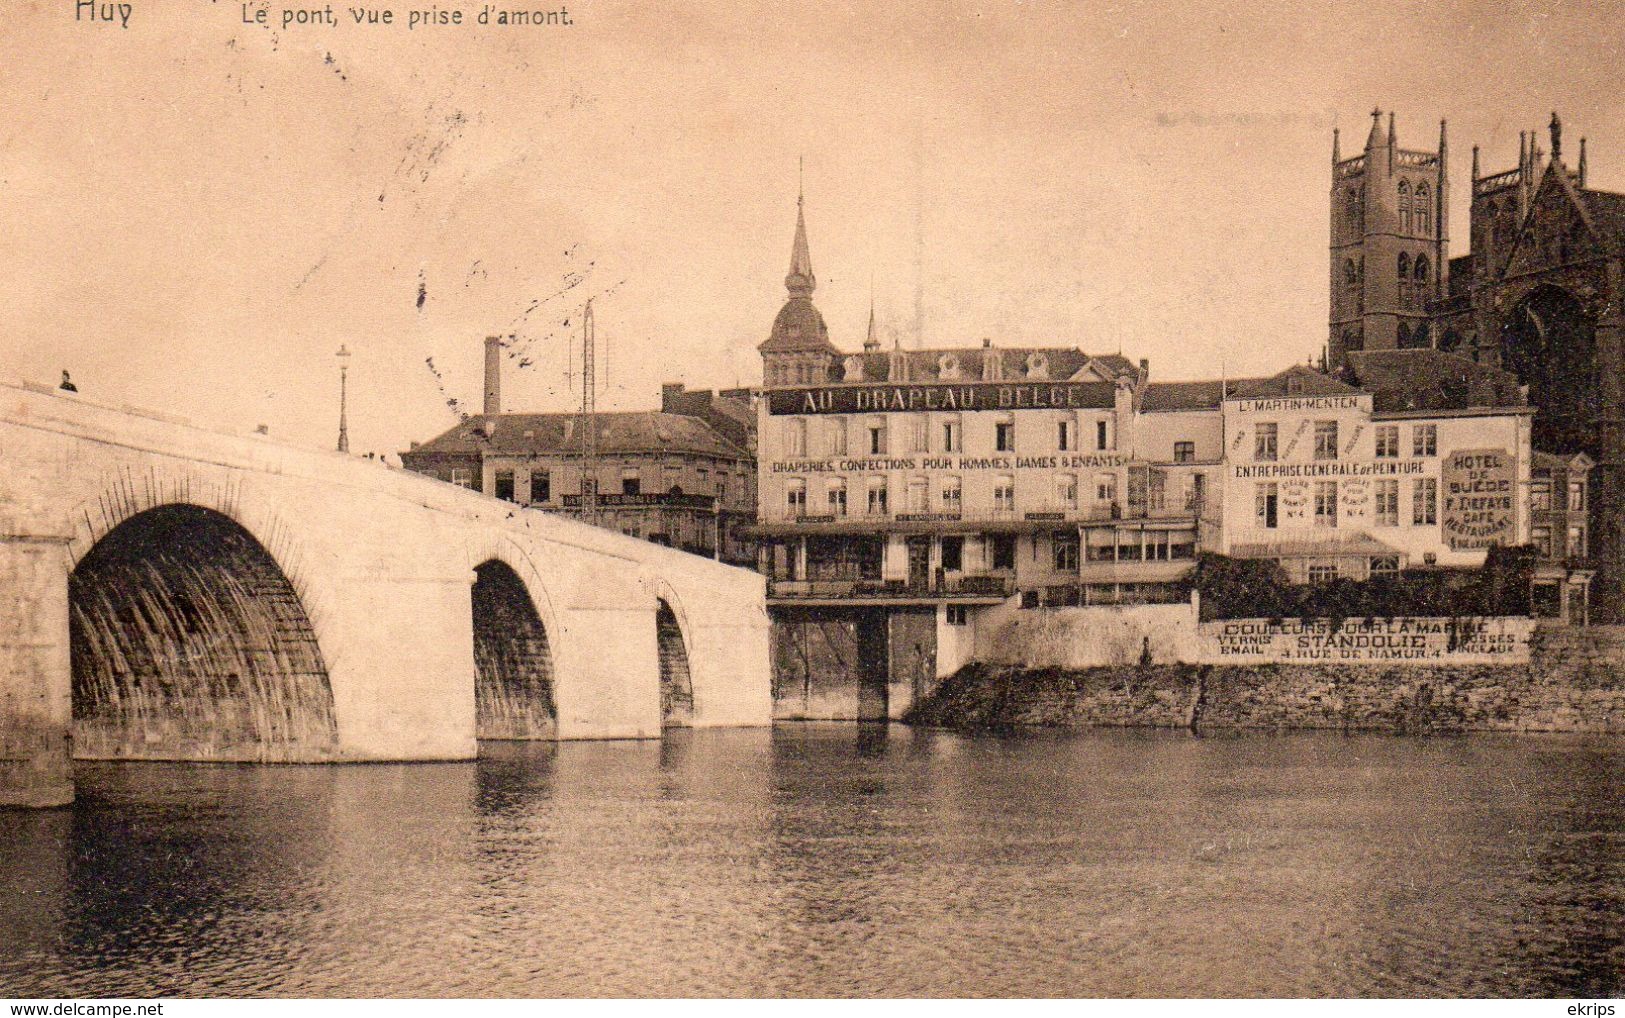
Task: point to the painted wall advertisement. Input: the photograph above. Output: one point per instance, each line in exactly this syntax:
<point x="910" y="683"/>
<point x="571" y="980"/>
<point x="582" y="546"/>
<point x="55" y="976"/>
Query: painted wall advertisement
<point x="1478" y="499"/>
<point x="1367" y="641"/>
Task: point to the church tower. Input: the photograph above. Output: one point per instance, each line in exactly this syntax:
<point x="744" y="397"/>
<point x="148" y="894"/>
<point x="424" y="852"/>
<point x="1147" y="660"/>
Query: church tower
<point x="1389" y="242"/>
<point x="798" y="351"/>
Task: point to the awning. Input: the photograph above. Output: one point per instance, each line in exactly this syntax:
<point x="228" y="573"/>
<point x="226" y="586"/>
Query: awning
<point x="1330" y="546"/>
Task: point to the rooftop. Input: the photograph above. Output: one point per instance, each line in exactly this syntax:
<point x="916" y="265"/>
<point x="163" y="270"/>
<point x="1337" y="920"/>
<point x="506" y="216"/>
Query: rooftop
<point x="618" y="434"/>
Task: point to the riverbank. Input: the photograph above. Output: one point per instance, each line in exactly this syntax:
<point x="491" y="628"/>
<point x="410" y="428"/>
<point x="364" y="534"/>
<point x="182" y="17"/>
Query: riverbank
<point x="1573" y="682"/>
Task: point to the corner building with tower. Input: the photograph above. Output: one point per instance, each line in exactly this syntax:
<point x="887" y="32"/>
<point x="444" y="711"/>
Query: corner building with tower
<point x="912" y="503"/>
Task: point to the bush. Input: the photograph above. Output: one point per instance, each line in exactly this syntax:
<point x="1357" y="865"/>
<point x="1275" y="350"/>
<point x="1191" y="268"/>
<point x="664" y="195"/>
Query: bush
<point x="1258" y="588"/>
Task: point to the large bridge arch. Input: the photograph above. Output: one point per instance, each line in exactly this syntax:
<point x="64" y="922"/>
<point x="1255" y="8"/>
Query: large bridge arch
<point x="188" y="640"/>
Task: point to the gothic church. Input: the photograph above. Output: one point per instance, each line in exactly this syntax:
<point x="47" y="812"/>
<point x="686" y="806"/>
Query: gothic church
<point x="1539" y="293"/>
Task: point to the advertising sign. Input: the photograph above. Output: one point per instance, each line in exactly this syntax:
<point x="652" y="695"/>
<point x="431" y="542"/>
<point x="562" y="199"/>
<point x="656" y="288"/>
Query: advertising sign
<point x="1367" y="641"/>
<point x="964" y="397"/>
<point x="1478" y="496"/>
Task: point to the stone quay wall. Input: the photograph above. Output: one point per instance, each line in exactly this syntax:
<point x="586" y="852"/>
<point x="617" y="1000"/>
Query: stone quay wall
<point x="1573" y="680"/>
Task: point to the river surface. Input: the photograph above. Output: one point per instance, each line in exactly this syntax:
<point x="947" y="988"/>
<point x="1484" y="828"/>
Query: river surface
<point x="833" y="860"/>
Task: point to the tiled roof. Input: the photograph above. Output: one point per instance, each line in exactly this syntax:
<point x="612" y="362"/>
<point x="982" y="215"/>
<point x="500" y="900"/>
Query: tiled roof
<point x="1425" y="379"/>
<point x="1203" y="395"/>
<point x="1553" y="461"/>
<point x="618" y="434"/>
<point x="1298" y="380"/>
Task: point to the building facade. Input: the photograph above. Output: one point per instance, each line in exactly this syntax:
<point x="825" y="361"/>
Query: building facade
<point x="683" y="476"/>
<point x="931" y="485"/>
<point x="1540" y="292"/>
<point x="1559" y="530"/>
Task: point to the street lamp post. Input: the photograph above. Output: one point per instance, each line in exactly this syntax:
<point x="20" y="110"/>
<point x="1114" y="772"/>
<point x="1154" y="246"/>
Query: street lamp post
<point x="344" y="373"/>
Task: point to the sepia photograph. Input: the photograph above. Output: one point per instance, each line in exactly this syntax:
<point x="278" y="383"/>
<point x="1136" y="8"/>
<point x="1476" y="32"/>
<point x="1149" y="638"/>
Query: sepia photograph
<point x="905" y="499"/>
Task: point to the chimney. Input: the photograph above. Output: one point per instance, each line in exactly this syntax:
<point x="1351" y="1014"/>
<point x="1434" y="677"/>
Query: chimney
<point x="669" y="392"/>
<point x="493" y="375"/>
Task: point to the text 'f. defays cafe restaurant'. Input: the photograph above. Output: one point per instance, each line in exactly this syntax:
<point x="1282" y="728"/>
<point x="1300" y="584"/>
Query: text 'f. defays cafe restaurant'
<point x="948" y="482"/>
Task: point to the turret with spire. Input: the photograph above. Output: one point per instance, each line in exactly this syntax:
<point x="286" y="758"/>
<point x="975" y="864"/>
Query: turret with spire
<point x="798" y="350"/>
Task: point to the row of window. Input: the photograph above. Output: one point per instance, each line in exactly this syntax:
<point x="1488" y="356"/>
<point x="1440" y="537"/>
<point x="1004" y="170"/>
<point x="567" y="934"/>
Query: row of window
<point x="541" y="484"/>
<point x="1540" y="496"/>
<point x="1385" y="499"/>
<point x="1424" y="440"/>
<point x="1327" y="570"/>
<point x="1148" y="489"/>
<point x="949" y="432"/>
<point x="1541" y="538"/>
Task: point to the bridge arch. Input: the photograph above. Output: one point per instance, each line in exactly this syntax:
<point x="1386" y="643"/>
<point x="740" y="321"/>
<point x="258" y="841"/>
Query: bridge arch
<point x="674" y="646"/>
<point x="189" y="639"/>
<point x="518" y="646"/>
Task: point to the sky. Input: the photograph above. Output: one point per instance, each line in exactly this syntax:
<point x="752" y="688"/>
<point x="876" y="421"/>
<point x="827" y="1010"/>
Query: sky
<point x="196" y="212"/>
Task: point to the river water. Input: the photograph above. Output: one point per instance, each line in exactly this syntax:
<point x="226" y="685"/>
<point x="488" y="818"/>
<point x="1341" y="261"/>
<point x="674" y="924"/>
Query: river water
<point x="832" y="860"/>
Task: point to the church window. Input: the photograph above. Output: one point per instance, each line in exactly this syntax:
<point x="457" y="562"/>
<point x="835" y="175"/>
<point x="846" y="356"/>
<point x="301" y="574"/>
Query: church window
<point x="1421" y="212"/>
<point x="1405" y="206"/>
<point x="1421" y="270"/>
<point x="1404" y="266"/>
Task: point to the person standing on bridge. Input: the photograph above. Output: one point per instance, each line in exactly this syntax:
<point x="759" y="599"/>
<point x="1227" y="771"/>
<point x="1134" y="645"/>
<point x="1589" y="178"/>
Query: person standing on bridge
<point x="67" y="383"/>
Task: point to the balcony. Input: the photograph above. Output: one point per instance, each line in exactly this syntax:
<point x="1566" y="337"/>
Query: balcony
<point x="663" y="500"/>
<point x="917" y="521"/>
<point x="972" y="589"/>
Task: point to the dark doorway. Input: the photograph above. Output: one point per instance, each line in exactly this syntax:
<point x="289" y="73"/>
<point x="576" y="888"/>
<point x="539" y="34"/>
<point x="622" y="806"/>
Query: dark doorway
<point x="919" y="562"/>
<point x="873" y="670"/>
<point x="1549" y="342"/>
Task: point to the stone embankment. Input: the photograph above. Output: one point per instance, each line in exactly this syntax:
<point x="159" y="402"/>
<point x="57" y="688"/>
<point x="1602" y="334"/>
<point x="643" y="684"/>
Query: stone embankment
<point x="1574" y="682"/>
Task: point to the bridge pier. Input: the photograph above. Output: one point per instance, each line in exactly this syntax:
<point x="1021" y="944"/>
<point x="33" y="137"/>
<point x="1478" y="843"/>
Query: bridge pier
<point x="36" y="675"/>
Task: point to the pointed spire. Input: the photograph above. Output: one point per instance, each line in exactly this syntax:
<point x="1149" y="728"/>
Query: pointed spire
<point x="872" y="342"/>
<point x="1393" y="138"/>
<point x="1374" y="139"/>
<point x="1337" y="152"/>
<point x="1475" y="164"/>
<point x="1556" y="128"/>
<point x="1444" y="139"/>
<point x="1582" y="161"/>
<point x="800" y="282"/>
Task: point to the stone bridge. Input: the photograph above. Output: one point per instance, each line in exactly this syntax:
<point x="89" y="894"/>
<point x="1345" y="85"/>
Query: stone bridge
<point x="172" y="592"/>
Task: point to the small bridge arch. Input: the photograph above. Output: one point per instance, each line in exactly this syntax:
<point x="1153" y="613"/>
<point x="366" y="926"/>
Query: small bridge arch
<point x="677" y="708"/>
<point x="518" y="646"/>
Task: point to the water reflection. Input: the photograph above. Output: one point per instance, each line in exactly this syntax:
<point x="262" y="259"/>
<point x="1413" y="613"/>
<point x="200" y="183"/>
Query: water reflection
<point x="831" y="860"/>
